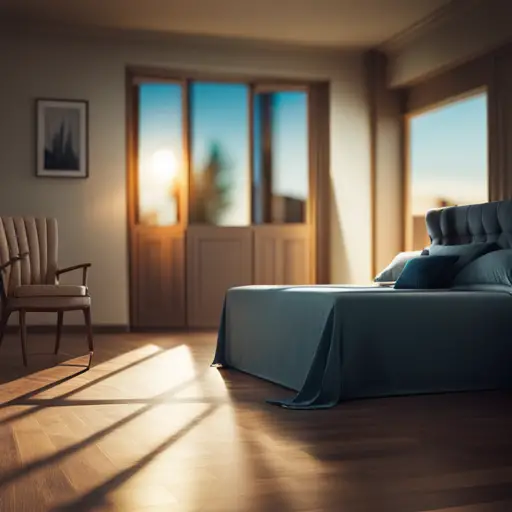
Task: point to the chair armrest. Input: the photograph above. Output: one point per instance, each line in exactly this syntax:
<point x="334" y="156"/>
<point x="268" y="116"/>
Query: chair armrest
<point x="84" y="266"/>
<point x="13" y="260"/>
<point x="6" y="265"/>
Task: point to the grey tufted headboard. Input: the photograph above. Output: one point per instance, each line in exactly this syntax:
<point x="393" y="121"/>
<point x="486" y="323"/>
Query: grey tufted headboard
<point x="487" y="222"/>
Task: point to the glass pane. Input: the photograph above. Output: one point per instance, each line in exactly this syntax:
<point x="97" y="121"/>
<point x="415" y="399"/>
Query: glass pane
<point x="219" y="178"/>
<point x="448" y="150"/>
<point x="281" y="157"/>
<point x="160" y="153"/>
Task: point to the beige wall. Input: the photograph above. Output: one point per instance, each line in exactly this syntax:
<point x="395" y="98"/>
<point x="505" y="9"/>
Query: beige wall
<point x="447" y="86"/>
<point x="388" y="152"/>
<point x="92" y="212"/>
<point x="473" y="28"/>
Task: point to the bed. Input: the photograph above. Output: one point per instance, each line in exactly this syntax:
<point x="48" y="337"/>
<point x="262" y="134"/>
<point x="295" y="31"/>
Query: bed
<point x="336" y="343"/>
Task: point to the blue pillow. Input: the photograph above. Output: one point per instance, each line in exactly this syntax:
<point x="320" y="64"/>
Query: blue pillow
<point x="492" y="268"/>
<point x="466" y="252"/>
<point x="428" y="273"/>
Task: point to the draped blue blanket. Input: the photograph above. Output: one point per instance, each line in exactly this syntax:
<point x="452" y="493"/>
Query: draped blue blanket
<point x="332" y="343"/>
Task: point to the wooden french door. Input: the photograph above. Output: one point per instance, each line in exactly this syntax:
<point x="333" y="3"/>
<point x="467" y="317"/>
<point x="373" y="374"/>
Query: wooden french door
<point x="157" y="184"/>
<point x="183" y="258"/>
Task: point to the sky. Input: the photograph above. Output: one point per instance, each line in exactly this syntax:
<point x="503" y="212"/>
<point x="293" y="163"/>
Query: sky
<point x="160" y="129"/>
<point x="448" y="154"/>
<point x="220" y="114"/>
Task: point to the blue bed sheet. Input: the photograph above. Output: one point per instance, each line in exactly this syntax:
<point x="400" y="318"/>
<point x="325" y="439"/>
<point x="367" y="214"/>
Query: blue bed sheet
<point x="332" y="343"/>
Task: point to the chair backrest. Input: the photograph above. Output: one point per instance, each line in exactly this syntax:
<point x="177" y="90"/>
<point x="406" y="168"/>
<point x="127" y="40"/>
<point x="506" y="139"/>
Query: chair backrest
<point x="38" y="238"/>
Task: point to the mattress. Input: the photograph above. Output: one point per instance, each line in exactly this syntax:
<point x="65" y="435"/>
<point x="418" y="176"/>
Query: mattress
<point x="336" y="343"/>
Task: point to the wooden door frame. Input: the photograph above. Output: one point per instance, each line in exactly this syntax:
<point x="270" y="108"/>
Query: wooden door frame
<point x="132" y="80"/>
<point x="131" y="191"/>
<point x="318" y="205"/>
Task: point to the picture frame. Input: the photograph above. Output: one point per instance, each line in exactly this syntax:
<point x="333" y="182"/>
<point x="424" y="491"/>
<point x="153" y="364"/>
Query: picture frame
<point x="62" y="138"/>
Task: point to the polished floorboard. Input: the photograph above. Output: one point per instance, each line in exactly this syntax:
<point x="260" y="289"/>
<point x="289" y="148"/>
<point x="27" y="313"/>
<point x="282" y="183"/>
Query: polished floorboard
<point x="151" y="427"/>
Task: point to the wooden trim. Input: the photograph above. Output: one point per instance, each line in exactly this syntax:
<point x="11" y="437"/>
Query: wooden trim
<point x="407" y="220"/>
<point x="447" y="101"/>
<point x="148" y="79"/>
<point x="320" y="188"/>
<point x="262" y="87"/>
<point x="72" y="329"/>
<point x="496" y="131"/>
<point x="310" y="220"/>
<point x="250" y="168"/>
<point x="404" y="166"/>
<point x="131" y="192"/>
<point x="314" y="119"/>
<point x="371" y="63"/>
<point x="173" y="330"/>
<point x="186" y="160"/>
<point x="11" y="310"/>
<point x="266" y="140"/>
<point x="273" y="83"/>
<point x="188" y="149"/>
<point x="323" y="192"/>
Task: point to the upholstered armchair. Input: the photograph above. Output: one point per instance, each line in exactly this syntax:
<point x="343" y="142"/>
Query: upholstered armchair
<point x="29" y="277"/>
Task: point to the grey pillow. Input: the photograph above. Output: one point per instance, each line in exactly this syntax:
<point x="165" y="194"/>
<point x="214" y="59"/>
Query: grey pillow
<point x="466" y="252"/>
<point x="492" y="268"/>
<point x="394" y="269"/>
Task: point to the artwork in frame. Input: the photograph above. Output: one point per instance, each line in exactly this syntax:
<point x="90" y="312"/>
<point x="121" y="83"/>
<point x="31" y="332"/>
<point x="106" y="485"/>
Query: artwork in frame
<point x="62" y="138"/>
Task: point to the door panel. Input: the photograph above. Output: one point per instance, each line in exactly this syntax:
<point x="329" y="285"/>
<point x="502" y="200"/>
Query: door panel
<point x="160" y="278"/>
<point x="218" y="258"/>
<point x="157" y="185"/>
<point x="282" y="254"/>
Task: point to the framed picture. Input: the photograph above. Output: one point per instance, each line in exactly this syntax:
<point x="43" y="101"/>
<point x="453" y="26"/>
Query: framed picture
<point x="62" y="139"/>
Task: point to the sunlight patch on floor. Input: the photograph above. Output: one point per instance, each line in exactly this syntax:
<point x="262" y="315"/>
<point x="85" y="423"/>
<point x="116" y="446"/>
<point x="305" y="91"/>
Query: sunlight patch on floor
<point x="141" y="374"/>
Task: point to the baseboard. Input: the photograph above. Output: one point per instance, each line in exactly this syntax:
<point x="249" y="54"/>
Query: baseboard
<point x="173" y="330"/>
<point x="49" y="329"/>
<point x="108" y="329"/>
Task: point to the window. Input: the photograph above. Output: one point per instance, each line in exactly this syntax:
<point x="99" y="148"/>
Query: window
<point x="242" y="148"/>
<point x="160" y="150"/>
<point x="448" y="160"/>
<point x="219" y="178"/>
<point x="281" y="166"/>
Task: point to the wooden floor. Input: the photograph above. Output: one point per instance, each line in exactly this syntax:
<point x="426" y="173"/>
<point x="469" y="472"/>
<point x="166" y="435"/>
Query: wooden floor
<point x="151" y="427"/>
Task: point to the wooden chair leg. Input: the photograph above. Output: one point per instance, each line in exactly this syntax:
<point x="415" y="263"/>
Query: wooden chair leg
<point x="60" y="321"/>
<point x="3" y="323"/>
<point x="88" y="325"/>
<point x="23" y="335"/>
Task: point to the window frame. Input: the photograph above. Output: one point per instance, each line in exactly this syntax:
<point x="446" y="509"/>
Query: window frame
<point x="137" y="76"/>
<point x="270" y="89"/>
<point x="407" y="227"/>
<point x="183" y="205"/>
